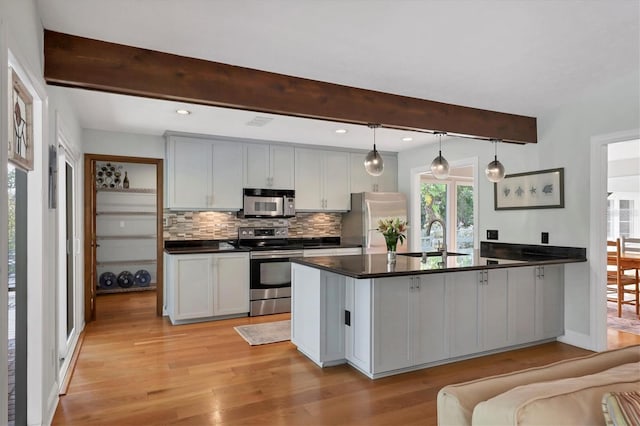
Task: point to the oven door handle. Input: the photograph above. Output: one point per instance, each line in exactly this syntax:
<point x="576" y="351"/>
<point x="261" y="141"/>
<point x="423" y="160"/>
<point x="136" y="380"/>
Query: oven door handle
<point x="276" y="254"/>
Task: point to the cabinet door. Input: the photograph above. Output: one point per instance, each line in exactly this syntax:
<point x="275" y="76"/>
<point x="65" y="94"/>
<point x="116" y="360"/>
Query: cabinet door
<point x="230" y="283"/>
<point x="388" y="181"/>
<point x="189" y="173"/>
<point x="549" y="301"/>
<point x="495" y="305"/>
<point x="282" y="167"/>
<point x="192" y="287"/>
<point x="337" y="193"/>
<point x="392" y="340"/>
<point x="227" y="176"/>
<point x="308" y="179"/>
<point x="464" y="315"/>
<point x="358" y="334"/>
<point x="256" y="166"/>
<point x="522" y="304"/>
<point x="429" y="319"/>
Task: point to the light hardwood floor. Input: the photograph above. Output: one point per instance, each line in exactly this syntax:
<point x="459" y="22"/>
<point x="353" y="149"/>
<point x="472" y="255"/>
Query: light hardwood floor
<point x="137" y="369"/>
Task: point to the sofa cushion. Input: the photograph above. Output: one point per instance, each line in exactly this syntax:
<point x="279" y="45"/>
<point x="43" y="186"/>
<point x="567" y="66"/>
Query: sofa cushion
<point x="571" y="401"/>
<point x="456" y="402"/>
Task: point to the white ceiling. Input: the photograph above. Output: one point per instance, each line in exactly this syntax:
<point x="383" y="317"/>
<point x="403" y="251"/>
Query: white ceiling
<point x="521" y="56"/>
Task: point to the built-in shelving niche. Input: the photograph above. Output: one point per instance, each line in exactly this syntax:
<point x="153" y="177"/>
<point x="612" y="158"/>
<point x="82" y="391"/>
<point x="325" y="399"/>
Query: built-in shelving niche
<point x="126" y="230"/>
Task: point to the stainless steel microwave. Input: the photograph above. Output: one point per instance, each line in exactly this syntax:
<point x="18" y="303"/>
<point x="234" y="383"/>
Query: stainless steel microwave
<point x="268" y="203"/>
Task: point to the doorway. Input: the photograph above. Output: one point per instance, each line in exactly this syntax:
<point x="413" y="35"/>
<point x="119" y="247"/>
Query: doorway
<point x="598" y="185"/>
<point x="116" y="241"/>
<point x="623" y="221"/>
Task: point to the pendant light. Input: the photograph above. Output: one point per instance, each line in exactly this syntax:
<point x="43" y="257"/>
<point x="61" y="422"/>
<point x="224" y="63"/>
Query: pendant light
<point x="495" y="169"/>
<point x="439" y="165"/>
<point x="373" y="162"/>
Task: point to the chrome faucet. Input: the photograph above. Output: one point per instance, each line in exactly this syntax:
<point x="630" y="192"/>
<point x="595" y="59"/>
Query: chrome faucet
<point x="443" y="248"/>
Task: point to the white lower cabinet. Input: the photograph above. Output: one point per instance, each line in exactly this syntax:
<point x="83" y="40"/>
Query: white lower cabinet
<point x="498" y="308"/>
<point x="200" y="286"/>
<point x="395" y="323"/>
<point x="317" y="309"/>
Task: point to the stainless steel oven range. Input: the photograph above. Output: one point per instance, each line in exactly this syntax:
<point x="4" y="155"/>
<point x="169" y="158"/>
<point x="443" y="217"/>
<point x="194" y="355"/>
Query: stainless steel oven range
<point x="270" y="275"/>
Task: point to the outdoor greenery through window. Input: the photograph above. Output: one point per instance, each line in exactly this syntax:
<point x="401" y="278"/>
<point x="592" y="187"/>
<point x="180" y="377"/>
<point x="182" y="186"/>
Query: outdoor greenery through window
<point x="451" y="202"/>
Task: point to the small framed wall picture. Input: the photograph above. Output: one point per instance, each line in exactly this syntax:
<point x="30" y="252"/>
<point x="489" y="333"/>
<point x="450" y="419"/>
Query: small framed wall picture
<point x="542" y="189"/>
<point x="20" y="124"/>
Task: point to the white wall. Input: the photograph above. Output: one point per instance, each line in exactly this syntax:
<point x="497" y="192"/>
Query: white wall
<point x="22" y="36"/>
<point x="563" y="141"/>
<point x="127" y="144"/>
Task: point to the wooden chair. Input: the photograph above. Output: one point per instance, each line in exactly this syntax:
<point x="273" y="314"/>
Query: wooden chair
<point x="620" y="284"/>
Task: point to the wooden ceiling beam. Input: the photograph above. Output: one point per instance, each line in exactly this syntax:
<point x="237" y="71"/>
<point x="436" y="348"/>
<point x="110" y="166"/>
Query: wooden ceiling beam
<point x="80" y="62"/>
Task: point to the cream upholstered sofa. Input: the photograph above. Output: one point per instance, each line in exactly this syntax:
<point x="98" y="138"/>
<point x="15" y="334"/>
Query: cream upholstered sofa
<point x="565" y="392"/>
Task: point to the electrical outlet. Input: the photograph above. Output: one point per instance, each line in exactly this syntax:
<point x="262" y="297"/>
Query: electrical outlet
<point x="492" y="234"/>
<point x="545" y="238"/>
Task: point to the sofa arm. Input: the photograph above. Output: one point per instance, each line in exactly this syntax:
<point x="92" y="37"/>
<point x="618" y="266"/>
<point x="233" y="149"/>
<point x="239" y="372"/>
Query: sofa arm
<point x="576" y="400"/>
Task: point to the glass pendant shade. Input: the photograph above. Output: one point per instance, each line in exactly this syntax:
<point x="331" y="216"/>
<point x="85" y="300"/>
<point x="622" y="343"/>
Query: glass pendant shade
<point x="439" y="165"/>
<point x="495" y="169"/>
<point x="373" y="163"/>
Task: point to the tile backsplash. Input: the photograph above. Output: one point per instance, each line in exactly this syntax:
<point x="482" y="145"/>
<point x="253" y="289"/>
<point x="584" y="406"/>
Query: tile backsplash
<point x="221" y="225"/>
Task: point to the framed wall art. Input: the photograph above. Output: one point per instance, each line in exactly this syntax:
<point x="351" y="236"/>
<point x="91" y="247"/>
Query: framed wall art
<point x="542" y="189"/>
<point x="20" y="124"/>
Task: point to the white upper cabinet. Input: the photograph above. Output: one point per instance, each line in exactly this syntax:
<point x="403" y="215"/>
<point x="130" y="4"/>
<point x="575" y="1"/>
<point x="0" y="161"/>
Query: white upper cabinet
<point x="268" y="166"/>
<point x="361" y="181"/>
<point x="322" y="180"/>
<point x="203" y="174"/>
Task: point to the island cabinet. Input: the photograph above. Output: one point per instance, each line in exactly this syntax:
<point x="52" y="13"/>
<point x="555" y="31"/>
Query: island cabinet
<point x="318" y="307"/>
<point x="322" y="180"/>
<point x="361" y="181"/>
<point x="395" y="323"/>
<point x="203" y="174"/>
<point x="268" y="166"/>
<point x="498" y="308"/>
<point x="478" y="305"/>
<point x="206" y="286"/>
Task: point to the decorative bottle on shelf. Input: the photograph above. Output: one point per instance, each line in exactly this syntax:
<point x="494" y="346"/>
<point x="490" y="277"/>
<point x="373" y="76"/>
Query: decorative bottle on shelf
<point x="125" y="182"/>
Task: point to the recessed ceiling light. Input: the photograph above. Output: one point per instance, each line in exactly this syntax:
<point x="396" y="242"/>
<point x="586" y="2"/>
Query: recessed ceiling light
<point x="407" y="139"/>
<point x="183" y="111"/>
<point x="341" y="131"/>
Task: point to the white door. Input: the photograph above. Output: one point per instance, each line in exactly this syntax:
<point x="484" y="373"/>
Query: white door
<point x="388" y="181"/>
<point x="256" y="165"/>
<point x="494" y="304"/>
<point x="337" y="192"/>
<point x="549" y="301"/>
<point x="464" y="315"/>
<point x="392" y="339"/>
<point x="361" y="181"/>
<point x="522" y="304"/>
<point x="230" y="284"/>
<point x="226" y="176"/>
<point x="429" y="320"/>
<point x="308" y="172"/>
<point x="189" y="173"/>
<point x="282" y="167"/>
<point x="193" y="279"/>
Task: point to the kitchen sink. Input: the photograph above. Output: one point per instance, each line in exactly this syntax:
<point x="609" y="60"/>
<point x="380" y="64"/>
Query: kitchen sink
<point x="431" y="254"/>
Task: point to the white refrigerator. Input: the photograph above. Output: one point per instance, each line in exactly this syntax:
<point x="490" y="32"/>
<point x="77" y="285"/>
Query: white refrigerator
<point x="360" y="223"/>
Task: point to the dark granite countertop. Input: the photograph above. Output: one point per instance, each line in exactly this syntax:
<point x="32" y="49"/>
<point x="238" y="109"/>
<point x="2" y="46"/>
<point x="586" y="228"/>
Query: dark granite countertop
<point x="231" y="245"/>
<point x="376" y="265"/>
<point x="201" y="246"/>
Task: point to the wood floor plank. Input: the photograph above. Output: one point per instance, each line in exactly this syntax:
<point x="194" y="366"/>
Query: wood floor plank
<point x="137" y="369"/>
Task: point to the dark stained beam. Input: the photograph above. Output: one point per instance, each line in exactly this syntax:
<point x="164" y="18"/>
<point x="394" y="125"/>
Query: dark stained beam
<point x="97" y="65"/>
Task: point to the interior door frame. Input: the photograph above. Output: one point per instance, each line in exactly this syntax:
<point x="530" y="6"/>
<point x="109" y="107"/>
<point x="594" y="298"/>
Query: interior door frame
<point x="90" y="161"/>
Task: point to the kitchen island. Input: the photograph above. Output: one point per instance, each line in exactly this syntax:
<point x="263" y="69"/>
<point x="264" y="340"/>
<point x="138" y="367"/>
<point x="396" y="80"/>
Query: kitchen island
<point x="387" y="318"/>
